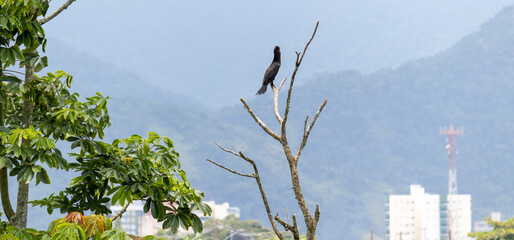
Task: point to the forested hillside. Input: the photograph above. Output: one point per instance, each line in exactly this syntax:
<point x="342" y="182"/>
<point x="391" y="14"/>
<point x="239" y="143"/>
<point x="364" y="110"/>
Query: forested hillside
<point x="378" y="134"/>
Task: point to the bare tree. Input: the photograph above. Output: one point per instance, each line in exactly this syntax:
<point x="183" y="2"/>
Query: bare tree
<point x="311" y="221"/>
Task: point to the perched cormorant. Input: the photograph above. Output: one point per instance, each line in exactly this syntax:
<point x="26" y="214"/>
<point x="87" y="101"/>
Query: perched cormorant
<point x="271" y="72"/>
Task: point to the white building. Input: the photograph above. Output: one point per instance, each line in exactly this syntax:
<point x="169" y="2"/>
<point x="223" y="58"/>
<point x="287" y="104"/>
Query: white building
<point x="483" y="226"/>
<point x="136" y="221"/>
<point x="221" y="211"/>
<point x="423" y="216"/>
<point x="414" y="216"/>
<point x="459" y="216"/>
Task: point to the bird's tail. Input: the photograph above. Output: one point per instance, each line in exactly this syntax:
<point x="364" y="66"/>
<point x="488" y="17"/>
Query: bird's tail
<point x="262" y="90"/>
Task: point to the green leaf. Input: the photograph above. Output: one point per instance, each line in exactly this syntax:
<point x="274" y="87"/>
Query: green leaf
<point x="185" y="221"/>
<point x="100" y="148"/>
<point x="4" y="55"/>
<point x="50" y="144"/>
<point x="206" y="209"/>
<point x="42" y="63"/>
<point x="146" y="208"/>
<point x="197" y="224"/>
<point x="101" y="134"/>
<point x="183" y="175"/>
<point x="116" y="197"/>
<point x="17" y="53"/>
<point x="12" y="56"/>
<point x="168" y="142"/>
<point x="3" y="21"/>
<point x="27" y="175"/>
<point x="154" y="209"/>
<point x="43" y="177"/>
<point x="15" y="171"/>
<point x="3" y="161"/>
<point x="44" y="47"/>
<point x="38" y="27"/>
<point x="36" y="169"/>
<point x="141" y="188"/>
<point x="146" y="148"/>
<point x="172" y="221"/>
<point x="36" y="3"/>
<point x="75" y="144"/>
<point x="44" y="60"/>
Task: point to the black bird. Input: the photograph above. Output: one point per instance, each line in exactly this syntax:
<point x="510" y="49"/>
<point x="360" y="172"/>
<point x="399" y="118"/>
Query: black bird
<point x="271" y="72"/>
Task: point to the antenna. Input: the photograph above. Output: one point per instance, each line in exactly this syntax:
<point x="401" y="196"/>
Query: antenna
<point x="452" y="152"/>
<point x="452" y="177"/>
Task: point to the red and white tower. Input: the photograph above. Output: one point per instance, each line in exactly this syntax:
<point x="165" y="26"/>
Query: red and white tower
<point x="453" y="209"/>
<point x="452" y="153"/>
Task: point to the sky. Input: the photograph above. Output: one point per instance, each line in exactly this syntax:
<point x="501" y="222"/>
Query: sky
<point x="217" y="51"/>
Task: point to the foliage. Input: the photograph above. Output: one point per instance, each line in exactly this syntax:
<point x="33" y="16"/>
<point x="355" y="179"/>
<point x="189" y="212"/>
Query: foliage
<point x="232" y="225"/>
<point x="58" y="115"/>
<point x="131" y="169"/>
<point x="501" y="231"/>
<point x="19" y="27"/>
<point x="74" y="226"/>
<point x="12" y="233"/>
<point x="40" y="111"/>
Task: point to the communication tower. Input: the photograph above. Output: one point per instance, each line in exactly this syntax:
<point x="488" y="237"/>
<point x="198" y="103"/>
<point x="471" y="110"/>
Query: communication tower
<point x="452" y="152"/>
<point x="452" y="177"/>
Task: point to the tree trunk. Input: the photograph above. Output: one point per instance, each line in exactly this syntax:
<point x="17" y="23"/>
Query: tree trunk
<point x="4" y="181"/>
<point x="4" y="193"/>
<point x="20" y="218"/>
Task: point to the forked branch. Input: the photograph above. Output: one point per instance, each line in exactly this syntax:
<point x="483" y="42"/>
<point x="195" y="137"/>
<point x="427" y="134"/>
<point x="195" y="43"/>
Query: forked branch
<point x="275" y="100"/>
<point x="307" y="131"/>
<point x="293" y="229"/>
<point x="297" y="66"/>
<point x="254" y="175"/>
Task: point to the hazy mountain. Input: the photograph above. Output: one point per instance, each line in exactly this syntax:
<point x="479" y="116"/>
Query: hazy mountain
<point x="217" y="51"/>
<point x="378" y="133"/>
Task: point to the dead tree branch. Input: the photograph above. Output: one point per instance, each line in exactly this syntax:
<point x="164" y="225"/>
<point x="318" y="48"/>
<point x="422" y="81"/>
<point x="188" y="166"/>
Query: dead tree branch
<point x="307" y="131"/>
<point x="254" y="175"/>
<point x="231" y="170"/>
<point x="317" y="214"/>
<point x="293" y="229"/>
<point x="275" y="99"/>
<point x="286" y="226"/>
<point x="310" y="221"/>
<point x="263" y="126"/>
<point x="297" y="66"/>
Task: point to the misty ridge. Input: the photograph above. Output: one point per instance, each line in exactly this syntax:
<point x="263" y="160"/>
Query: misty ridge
<point x="379" y="131"/>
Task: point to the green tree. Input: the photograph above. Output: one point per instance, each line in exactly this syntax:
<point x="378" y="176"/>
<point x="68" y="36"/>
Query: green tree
<point x="231" y="225"/>
<point x="501" y="231"/>
<point x="38" y="111"/>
